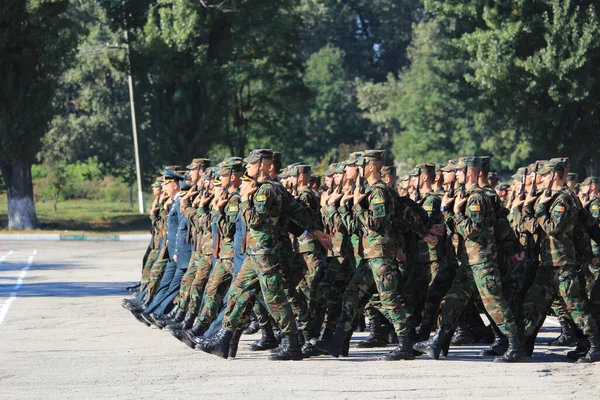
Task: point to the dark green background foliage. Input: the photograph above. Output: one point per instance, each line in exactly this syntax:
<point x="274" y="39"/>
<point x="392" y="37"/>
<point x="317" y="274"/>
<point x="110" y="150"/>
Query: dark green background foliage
<point x="427" y="80"/>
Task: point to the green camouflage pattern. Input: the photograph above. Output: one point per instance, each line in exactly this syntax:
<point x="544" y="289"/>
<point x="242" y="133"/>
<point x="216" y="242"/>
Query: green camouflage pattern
<point x="226" y="222"/>
<point x="183" y="298"/>
<point x="261" y="214"/>
<point x="216" y="289"/>
<point x="259" y="272"/>
<point x="203" y="265"/>
<point x="308" y="244"/>
<point x="593" y="208"/>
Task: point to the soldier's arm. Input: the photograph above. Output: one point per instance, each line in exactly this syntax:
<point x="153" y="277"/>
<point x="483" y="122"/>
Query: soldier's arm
<point x="470" y="223"/>
<point x="378" y="212"/>
<point x="228" y="218"/>
<point x="526" y="220"/>
<point x="348" y="219"/>
<point x="412" y="216"/>
<point x="552" y="218"/>
<point x="256" y="210"/>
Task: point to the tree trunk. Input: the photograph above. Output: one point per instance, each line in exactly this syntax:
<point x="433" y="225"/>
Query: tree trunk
<point x="19" y="187"/>
<point x="131" y="195"/>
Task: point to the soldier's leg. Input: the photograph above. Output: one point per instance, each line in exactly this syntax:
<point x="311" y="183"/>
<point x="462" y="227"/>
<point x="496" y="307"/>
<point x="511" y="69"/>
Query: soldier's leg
<point x="156" y="274"/>
<point x="186" y="286"/>
<point x="439" y="286"/>
<point x="359" y="287"/>
<point x="218" y="283"/>
<point x="333" y="286"/>
<point x="240" y="294"/>
<point x="537" y="301"/>
<point x="203" y="266"/>
<point x="162" y="290"/>
<point x="152" y="256"/>
<point x="291" y="274"/>
<point x="569" y="290"/>
<point x="171" y="293"/>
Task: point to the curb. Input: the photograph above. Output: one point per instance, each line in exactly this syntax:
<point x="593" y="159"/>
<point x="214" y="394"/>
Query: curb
<point x="50" y="237"/>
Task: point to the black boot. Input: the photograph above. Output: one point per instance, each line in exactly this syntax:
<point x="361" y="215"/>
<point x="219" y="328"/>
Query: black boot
<point x="267" y="341"/>
<point x="403" y="352"/>
<point x="138" y="316"/>
<point x="309" y="349"/>
<point x="235" y="341"/>
<point x="463" y="335"/>
<point x="253" y="327"/>
<point x="129" y="303"/>
<point x="175" y="312"/>
<point x="593" y="355"/>
<point x="346" y="345"/>
<point x="516" y="350"/>
<point x="583" y="346"/>
<point x="164" y="321"/>
<point x="219" y="345"/>
<point x="567" y="337"/>
<point x="189" y="336"/>
<point x="438" y="343"/>
<point x="376" y="335"/>
<point x="333" y="344"/>
<point x="500" y="345"/>
<point x="186" y="323"/>
<point x="291" y="350"/>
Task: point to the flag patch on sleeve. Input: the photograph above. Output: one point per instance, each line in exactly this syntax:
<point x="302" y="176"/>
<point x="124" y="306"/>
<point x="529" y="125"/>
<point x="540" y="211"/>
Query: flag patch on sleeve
<point x="475" y="208"/>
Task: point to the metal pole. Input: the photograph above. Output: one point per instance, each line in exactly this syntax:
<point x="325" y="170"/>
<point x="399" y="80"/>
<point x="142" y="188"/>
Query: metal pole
<point x="134" y="128"/>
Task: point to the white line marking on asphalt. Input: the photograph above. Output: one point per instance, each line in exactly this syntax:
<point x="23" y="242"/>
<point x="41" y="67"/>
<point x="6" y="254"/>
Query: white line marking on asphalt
<point x="13" y="295"/>
<point x="6" y="255"/>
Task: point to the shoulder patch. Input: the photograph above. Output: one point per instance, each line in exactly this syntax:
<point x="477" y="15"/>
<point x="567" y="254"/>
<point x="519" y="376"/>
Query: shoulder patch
<point x="428" y="208"/>
<point x="379" y="200"/>
<point x="475" y="208"/>
<point x="595" y="207"/>
<point x="234" y="208"/>
<point x="261" y="197"/>
<point x="560" y="209"/>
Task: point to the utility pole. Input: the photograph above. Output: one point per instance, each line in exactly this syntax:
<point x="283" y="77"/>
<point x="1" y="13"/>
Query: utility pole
<point x="134" y="128"/>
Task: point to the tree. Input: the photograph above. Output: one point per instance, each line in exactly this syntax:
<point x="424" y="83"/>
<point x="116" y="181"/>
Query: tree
<point x="37" y="40"/>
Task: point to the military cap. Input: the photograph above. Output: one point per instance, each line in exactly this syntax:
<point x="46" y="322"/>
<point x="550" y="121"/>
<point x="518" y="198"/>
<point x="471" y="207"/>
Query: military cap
<point x="404" y="178"/>
<point x="335" y="168"/>
<point x="199" y="163"/>
<point x="555" y="164"/>
<point x="503" y="186"/>
<point x="284" y="173"/>
<point x="438" y="167"/>
<point x="184" y="187"/>
<point x="450" y="167"/>
<point x="372" y="155"/>
<point x="171" y="176"/>
<point x="471" y="161"/>
<point x="421" y="169"/>
<point x="302" y="169"/>
<point x="174" y="168"/>
<point x="531" y="168"/>
<point x="210" y="173"/>
<point x="589" y="180"/>
<point x="353" y="158"/>
<point x="233" y="164"/>
<point x="388" y="170"/>
<point x="492" y="175"/>
<point x="572" y="177"/>
<point x="521" y="172"/>
<point x="259" y="154"/>
<point x="566" y="161"/>
<point x="157" y="183"/>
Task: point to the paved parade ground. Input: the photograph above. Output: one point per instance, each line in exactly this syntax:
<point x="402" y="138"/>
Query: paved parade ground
<point x="64" y="335"/>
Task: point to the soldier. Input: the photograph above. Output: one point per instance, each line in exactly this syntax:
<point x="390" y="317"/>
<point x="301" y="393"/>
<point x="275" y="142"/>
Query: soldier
<point x="474" y="223"/>
<point x="374" y="212"/>
<point x="555" y="214"/>
<point x="502" y="190"/>
<point x="572" y="179"/>
<point x="492" y="178"/>
<point x="261" y="208"/>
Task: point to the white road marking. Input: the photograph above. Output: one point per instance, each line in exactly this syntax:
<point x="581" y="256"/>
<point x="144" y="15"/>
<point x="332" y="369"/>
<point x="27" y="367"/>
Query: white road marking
<point x="13" y="295"/>
<point x="6" y="255"/>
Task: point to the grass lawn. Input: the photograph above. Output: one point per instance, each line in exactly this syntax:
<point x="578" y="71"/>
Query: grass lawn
<point x="85" y="216"/>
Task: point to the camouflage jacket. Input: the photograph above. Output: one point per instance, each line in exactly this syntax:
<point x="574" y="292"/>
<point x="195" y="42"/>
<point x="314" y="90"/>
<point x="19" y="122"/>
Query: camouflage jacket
<point x="375" y="214"/>
<point x="431" y="203"/>
<point x="475" y="224"/>
<point x="506" y="238"/>
<point x="352" y="226"/>
<point x="336" y="230"/>
<point x="309" y="198"/>
<point x="584" y="227"/>
<point x="226" y="221"/>
<point x="593" y="208"/>
<point x="556" y="221"/>
<point x="203" y="226"/>
<point x="262" y="213"/>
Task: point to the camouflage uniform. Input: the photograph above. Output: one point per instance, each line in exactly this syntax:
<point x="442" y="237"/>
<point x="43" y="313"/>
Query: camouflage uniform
<point x="478" y="269"/>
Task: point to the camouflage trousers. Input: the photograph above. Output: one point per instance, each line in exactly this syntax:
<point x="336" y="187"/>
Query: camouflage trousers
<point x="330" y="289"/>
<point x="380" y="275"/>
<point x="550" y="283"/>
<point x="313" y="264"/>
<point x="485" y="279"/>
<point x="260" y="273"/>
<point x="203" y="265"/>
<point x="216" y="289"/>
<point x="148" y="266"/>
<point x="156" y="274"/>
<point x="438" y="287"/>
<point x="185" y="287"/>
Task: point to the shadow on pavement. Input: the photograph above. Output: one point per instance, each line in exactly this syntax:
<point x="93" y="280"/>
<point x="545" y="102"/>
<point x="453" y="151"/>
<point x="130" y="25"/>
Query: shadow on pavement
<point x="67" y="289"/>
<point x="17" y="266"/>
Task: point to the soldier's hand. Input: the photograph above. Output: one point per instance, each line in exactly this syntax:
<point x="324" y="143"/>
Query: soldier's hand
<point x="437" y="229"/>
<point x="250" y="190"/>
<point x="529" y="199"/>
<point x="222" y="201"/>
<point x="347" y="196"/>
<point x="358" y="196"/>
<point x="334" y="198"/>
<point x="447" y="200"/>
<point x="459" y="203"/>
<point x="323" y="239"/>
<point x="543" y="198"/>
<point x="516" y="204"/>
<point x="430" y="239"/>
<point x="324" y="198"/>
<point x="207" y="198"/>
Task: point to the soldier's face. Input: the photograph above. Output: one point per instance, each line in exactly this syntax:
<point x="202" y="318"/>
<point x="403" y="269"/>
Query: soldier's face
<point x="337" y="178"/>
<point x="460" y="176"/>
<point x="252" y="169"/>
<point x="585" y="189"/>
<point x="171" y="188"/>
<point x="449" y="177"/>
<point x="156" y="191"/>
<point x="571" y="184"/>
<point x="328" y="181"/>
<point x="225" y="179"/>
<point x="351" y="171"/>
<point x="194" y="175"/>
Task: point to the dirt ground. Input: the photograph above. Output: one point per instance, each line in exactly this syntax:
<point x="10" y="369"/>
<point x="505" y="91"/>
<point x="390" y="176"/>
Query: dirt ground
<point x="63" y="334"/>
